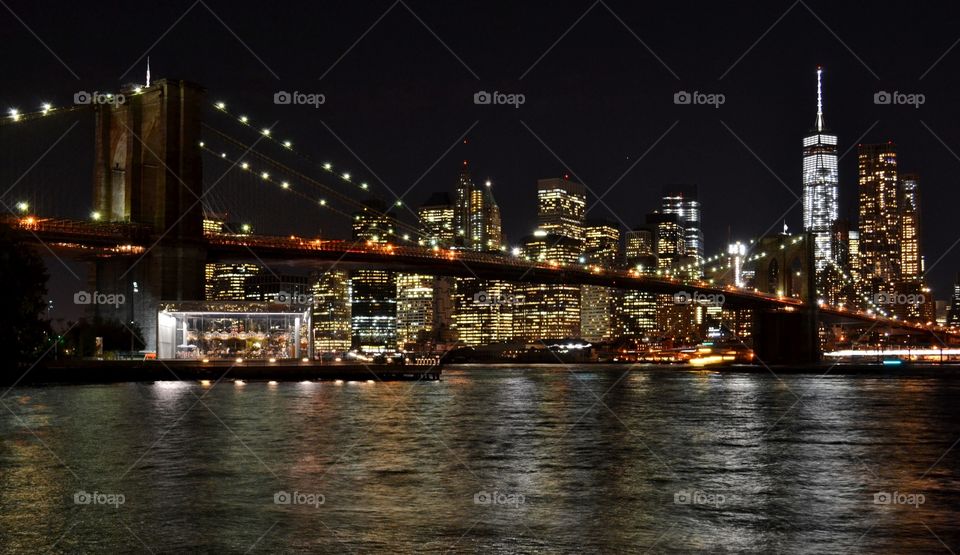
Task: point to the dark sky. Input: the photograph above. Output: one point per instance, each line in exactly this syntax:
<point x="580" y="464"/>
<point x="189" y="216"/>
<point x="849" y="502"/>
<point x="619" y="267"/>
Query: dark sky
<point x="599" y="81"/>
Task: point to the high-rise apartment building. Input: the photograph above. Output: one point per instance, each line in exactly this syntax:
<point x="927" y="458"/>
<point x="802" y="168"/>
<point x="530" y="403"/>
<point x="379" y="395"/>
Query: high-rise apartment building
<point x="879" y="217"/>
<point x="683" y="202"/>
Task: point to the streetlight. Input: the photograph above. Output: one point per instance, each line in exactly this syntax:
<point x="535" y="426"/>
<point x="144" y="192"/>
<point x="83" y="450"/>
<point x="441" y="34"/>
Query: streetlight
<point x="23" y="206"/>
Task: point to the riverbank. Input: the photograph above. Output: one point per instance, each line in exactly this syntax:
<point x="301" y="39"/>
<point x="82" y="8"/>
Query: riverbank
<point x="113" y="371"/>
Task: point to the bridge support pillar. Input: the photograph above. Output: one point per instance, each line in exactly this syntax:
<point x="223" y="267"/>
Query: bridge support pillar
<point x="786" y="337"/>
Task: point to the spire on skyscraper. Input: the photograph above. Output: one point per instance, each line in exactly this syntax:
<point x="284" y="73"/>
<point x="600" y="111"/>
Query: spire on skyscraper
<point x="819" y="99"/>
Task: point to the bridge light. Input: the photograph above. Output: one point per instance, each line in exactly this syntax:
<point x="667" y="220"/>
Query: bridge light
<point x="287" y="144"/>
<point x="406" y="236"/>
<point x="363" y="185"/>
<point x="246" y="228"/>
<point x="96" y="216"/>
<point x="245" y="166"/>
<point x="265" y="175"/>
<point x="266" y="132"/>
<point x="346" y="176"/>
<point x="223" y="155"/>
<point x="23" y="206"/>
<point x="399" y="203"/>
<point x="46" y="107"/>
<point x="201" y="144"/>
<point x="323" y="202"/>
<point x="328" y="166"/>
<point x="14" y="114"/>
<point x="243" y="119"/>
<point x="220" y="106"/>
<point x="285" y="185"/>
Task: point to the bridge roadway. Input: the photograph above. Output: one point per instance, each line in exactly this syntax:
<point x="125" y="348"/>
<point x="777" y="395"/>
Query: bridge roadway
<point x="129" y="239"/>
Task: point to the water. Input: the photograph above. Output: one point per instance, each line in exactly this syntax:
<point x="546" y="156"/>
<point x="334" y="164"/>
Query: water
<point x="586" y="460"/>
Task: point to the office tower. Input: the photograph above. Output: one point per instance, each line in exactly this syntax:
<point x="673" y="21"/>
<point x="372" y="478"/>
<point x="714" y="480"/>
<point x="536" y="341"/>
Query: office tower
<point x="373" y="293"/>
<point x="669" y="243"/>
<point x="331" y="311"/>
<point x="437" y="219"/>
<point x="953" y="315"/>
<point x="736" y="255"/>
<point x="483" y="309"/>
<point x="476" y="217"/>
<point x="561" y="205"/>
<point x="682" y="201"/>
<point x="635" y="317"/>
<point x="911" y="267"/>
<point x="598" y="304"/>
<point x="820" y="184"/>
<point x="228" y="281"/>
<point x="268" y="286"/>
<point x="415" y="306"/>
<point x="548" y="311"/>
<point x="879" y="217"/>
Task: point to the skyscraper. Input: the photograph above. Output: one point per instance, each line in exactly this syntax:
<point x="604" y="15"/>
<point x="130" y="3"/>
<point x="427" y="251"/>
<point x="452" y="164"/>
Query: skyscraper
<point x="373" y="293"/>
<point x="483" y="309"/>
<point x="682" y="201"/>
<point x="911" y="267"/>
<point x="820" y="184"/>
<point x="598" y="304"/>
<point x="476" y="216"/>
<point x="331" y="311"/>
<point x="561" y="205"/>
<point x="879" y="217"/>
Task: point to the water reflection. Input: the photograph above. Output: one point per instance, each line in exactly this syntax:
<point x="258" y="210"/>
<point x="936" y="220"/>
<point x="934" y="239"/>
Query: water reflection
<point x="524" y="459"/>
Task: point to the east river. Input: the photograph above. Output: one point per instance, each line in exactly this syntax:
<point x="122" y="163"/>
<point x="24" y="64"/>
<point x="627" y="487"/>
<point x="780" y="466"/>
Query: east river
<point x="492" y="459"/>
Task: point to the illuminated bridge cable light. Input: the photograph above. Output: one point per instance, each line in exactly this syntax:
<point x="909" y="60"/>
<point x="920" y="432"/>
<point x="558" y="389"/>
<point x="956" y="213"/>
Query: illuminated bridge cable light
<point x="328" y="190"/>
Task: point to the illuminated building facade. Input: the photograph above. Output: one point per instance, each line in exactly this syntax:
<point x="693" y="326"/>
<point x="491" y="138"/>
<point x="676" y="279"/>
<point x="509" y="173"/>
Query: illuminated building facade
<point x="635" y="317"/>
<point x="482" y="309"/>
<point x="228" y="282"/>
<point x="330" y="291"/>
<point x="598" y="304"/>
<point x="561" y="205"/>
<point x="415" y="306"/>
<point x="820" y="184"/>
<point x="911" y="265"/>
<point x="373" y="293"/>
<point x="476" y="216"/>
<point x="437" y="218"/>
<point x="549" y="311"/>
<point x="682" y="201"/>
<point x="953" y="314"/>
<point x="879" y="217"/>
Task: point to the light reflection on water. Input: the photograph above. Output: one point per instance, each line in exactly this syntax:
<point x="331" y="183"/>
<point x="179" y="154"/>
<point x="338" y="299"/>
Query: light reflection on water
<point x="503" y="459"/>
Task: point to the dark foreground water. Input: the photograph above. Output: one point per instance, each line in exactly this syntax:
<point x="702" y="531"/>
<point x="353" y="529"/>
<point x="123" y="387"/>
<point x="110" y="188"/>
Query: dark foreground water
<point x="492" y="460"/>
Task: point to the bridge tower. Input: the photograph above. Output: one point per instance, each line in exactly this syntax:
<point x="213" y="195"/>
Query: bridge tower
<point x="148" y="171"/>
<point x="786" y="267"/>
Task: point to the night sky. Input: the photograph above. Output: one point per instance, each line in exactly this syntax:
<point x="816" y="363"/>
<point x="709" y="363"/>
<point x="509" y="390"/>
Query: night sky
<point x="598" y="79"/>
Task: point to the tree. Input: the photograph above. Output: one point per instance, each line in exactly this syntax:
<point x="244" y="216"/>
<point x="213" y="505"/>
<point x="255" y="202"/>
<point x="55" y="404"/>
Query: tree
<point x="23" y="290"/>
